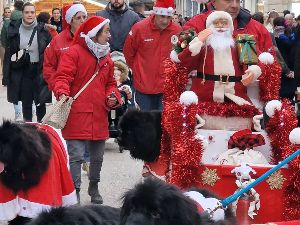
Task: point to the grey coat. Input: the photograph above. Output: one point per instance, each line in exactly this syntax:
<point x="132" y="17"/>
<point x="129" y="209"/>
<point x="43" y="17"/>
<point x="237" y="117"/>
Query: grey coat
<point x="120" y="25"/>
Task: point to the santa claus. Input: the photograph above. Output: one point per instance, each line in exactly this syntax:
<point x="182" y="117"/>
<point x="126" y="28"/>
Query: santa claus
<point x="221" y="77"/>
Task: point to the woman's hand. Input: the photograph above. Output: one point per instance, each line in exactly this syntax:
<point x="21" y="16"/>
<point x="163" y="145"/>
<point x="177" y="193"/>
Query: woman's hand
<point x="112" y="101"/>
<point x="128" y="92"/>
<point x="291" y="74"/>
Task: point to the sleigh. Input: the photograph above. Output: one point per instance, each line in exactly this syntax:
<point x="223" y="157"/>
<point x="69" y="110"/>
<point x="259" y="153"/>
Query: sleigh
<point x="189" y="149"/>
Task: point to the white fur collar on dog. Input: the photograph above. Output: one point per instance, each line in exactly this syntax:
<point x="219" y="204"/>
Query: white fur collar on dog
<point x="206" y="204"/>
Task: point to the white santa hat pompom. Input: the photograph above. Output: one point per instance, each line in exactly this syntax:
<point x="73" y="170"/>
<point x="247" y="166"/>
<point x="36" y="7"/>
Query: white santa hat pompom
<point x="174" y="56"/>
<point x="266" y="58"/>
<point x="271" y="106"/>
<point x="294" y="136"/>
<point x="188" y="97"/>
<point x="73" y="10"/>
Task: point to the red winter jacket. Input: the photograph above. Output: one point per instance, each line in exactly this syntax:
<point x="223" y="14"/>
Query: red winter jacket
<point x="146" y="47"/>
<point x="88" y="116"/>
<point x="52" y="55"/>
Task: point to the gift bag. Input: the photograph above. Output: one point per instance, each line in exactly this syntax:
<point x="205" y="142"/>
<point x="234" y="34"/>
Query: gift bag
<point x="246" y="48"/>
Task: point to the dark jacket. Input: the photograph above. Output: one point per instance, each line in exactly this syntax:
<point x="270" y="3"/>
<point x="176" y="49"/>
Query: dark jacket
<point x="57" y="24"/>
<point x="13" y="77"/>
<point x="15" y="15"/>
<point x="120" y="25"/>
<point x="286" y="45"/>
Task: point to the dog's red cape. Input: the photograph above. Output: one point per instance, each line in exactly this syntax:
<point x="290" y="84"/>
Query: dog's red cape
<point x="55" y="188"/>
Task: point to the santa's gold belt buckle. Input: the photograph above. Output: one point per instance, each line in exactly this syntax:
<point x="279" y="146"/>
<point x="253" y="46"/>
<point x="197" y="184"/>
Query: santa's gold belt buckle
<point x="227" y="78"/>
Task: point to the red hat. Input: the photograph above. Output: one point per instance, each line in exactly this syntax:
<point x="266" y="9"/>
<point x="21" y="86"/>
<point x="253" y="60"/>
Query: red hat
<point x="69" y="11"/>
<point x="91" y="26"/>
<point x="243" y="139"/>
<point x="164" y="7"/>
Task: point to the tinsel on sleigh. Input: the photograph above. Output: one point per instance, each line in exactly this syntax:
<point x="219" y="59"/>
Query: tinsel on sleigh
<point x="182" y="149"/>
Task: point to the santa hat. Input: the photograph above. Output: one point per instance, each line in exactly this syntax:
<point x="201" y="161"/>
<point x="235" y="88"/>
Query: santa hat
<point x="219" y="15"/>
<point x="91" y="27"/>
<point x="164" y="7"/>
<point x="69" y="11"/>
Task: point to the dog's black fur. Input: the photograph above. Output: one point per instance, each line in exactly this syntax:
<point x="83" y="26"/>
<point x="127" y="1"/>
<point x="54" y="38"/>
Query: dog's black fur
<point x="140" y="133"/>
<point x="25" y="152"/>
<point x="156" y="203"/>
<point x="79" y="215"/>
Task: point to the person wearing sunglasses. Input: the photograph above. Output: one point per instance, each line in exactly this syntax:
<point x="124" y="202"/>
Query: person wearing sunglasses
<point x="73" y="16"/>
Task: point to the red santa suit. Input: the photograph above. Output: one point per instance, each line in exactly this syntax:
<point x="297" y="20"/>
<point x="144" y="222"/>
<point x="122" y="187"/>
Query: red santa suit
<point x="55" y="187"/>
<point x="224" y="65"/>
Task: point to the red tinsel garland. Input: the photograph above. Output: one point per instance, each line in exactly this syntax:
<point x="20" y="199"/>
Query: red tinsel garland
<point x="269" y="82"/>
<point x="278" y="128"/>
<point x="227" y="109"/>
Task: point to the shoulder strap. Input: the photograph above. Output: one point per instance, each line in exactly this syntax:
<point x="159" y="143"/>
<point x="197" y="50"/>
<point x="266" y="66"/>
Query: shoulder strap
<point x="87" y="83"/>
<point x="31" y="37"/>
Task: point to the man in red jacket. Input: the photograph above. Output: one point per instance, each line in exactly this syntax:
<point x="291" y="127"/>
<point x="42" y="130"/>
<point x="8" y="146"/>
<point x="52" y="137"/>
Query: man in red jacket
<point x="146" y="47"/>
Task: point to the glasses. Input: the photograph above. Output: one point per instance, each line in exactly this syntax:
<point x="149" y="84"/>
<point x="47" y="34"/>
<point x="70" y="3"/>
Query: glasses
<point x="79" y="17"/>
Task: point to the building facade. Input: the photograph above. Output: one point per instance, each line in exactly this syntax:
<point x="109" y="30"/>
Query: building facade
<point x="191" y="7"/>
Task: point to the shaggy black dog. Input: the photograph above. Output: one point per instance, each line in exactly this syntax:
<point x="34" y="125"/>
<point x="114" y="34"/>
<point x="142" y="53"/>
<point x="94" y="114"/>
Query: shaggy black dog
<point x="140" y="133"/>
<point x="79" y="215"/>
<point x="156" y="203"/>
<point x="25" y="152"/>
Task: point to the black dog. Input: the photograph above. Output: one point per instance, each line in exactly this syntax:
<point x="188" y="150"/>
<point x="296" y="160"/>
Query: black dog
<point x="25" y="152"/>
<point x="157" y="203"/>
<point x="140" y="133"/>
<point x="79" y="215"/>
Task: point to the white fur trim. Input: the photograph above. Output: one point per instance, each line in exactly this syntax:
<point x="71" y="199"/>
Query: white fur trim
<point x="73" y="10"/>
<point x="207" y="204"/>
<point x="174" y="56"/>
<point x="69" y="199"/>
<point x="219" y="15"/>
<point x="256" y="70"/>
<point x="195" y="46"/>
<point x="271" y="106"/>
<point x="9" y="210"/>
<point x="163" y="11"/>
<point x="256" y="122"/>
<point x="266" y="58"/>
<point x="294" y="136"/>
<point x="188" y="98"/>
<point x="94" y="31"/>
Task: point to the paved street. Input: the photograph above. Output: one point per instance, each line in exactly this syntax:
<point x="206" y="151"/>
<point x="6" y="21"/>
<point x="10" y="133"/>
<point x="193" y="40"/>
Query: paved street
<point x="119" y="172"/>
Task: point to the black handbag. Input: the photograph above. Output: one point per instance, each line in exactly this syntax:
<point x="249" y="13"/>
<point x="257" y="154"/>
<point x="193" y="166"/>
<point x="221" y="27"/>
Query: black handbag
<point x="22" y="57"/>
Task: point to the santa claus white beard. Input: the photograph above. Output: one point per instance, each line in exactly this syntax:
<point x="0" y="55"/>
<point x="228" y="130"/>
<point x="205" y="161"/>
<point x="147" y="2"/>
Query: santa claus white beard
<point x="220" y="41"/>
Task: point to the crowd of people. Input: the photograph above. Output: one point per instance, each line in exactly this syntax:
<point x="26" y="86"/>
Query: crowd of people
<point x="285" y="32"/>
<point x="125" y="49"/>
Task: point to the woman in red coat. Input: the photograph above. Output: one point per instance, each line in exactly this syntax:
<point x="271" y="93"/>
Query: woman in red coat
<point x="87" y="123"/>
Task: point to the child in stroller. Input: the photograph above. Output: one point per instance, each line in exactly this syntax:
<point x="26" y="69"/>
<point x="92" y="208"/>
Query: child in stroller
<point x="121" y="72"/>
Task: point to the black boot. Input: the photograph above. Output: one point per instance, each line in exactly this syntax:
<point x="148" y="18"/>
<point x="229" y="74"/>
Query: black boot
<point x="94" y="193"/>
<point x="78" y="196"/>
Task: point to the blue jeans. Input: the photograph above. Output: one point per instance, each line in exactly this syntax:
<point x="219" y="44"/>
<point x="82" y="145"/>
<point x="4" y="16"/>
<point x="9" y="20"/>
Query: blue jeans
<point x="149" y="102"/>
<point x="18" y="108"/>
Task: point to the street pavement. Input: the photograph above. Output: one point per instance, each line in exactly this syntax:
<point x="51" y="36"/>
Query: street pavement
<point x="119" y="172"/>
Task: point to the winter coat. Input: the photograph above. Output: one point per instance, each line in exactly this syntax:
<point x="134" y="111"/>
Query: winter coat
<point x="52" y="55"/>
<point x="13" y="77"/>
<point x="57" y="24"/>
<point x="297" y="57"/>
<point x="88" y="116"/>
<point x="242" y="25"/>
<point x="287" y="47"/>
<point x="145" y="49"/>
<point x="120" y="25"/>
<point x="15" y="15"/>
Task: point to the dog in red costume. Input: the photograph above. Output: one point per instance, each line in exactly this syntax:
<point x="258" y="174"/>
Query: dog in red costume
<point x="33" y="172"/>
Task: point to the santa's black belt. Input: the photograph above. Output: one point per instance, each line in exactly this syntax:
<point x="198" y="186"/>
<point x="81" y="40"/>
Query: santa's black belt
<point x="224" y="78"/>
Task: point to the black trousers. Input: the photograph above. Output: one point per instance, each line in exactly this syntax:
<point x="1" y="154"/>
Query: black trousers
<point x="30" y="93"/>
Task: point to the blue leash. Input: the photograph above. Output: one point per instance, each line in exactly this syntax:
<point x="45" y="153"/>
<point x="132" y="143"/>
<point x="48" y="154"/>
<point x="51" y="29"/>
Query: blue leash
<point x="235" y="196"/>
